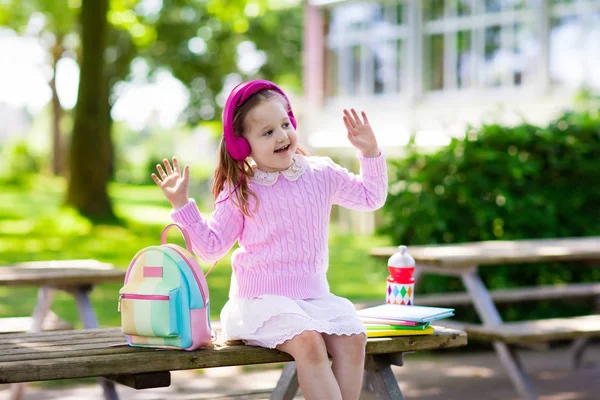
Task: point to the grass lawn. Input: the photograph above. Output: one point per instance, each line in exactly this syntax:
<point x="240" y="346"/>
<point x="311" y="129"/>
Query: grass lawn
<point x="35" y="226"/>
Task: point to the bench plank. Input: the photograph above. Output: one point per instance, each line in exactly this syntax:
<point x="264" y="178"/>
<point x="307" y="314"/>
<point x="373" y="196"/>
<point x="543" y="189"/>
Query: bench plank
<point x="104" y="358"/>
<point x="35" y="350"/>
<point x="567" y="291"/>
<point x="57" y="335"/>
<point x="543" y="330"/>
<point x="56" y="342"/>
<point x="501" y="251"/>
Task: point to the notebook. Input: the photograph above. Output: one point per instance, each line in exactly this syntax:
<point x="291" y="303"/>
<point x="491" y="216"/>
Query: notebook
<point x="400" y="332"/>
<point x="397" y="312"/>
<point x="367" y="320"/>
<point x="388" y="327"/>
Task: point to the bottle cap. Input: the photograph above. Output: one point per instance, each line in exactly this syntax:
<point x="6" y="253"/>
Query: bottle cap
<point x="401" y="259"/>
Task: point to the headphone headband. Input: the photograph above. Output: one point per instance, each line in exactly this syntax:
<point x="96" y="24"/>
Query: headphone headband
<point x="238" y="147"/>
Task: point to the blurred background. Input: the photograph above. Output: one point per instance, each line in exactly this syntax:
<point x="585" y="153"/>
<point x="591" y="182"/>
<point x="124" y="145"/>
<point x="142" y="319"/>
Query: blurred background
<point x="488" y="111"/>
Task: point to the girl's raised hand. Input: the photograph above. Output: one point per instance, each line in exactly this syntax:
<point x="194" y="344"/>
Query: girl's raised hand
<point x="360" y="133"/>
<point x="173" y="183"/>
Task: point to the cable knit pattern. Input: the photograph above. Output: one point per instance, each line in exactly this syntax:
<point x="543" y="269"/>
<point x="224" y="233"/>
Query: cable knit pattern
<point x="283" y="246"/>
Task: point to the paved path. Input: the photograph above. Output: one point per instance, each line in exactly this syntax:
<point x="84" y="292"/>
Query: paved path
<point x="435" y="376"/>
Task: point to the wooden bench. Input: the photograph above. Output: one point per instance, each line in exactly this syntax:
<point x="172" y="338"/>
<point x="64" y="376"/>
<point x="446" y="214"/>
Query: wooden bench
<point x="43" y="356"/>
<point x="547" y="292"/>
<point x="464" y="259"/>
<point x="543" y="330"/>
<point x="75" y="277"/>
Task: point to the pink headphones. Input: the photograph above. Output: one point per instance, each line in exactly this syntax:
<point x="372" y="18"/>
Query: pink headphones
<point x="237" y="146"/>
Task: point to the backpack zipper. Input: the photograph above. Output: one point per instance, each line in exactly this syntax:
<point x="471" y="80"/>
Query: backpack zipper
<point x="140" y="297"/>
<point x="204" y="297"/>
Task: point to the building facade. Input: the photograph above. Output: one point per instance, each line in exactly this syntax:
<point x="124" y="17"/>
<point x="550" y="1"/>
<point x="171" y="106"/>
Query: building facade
<point x="430" y="68"/>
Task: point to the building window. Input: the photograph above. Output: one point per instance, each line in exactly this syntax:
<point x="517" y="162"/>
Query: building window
<point x="365" y="48"/>
<point x="454" y="45"/>
<point x="575" y="43"/>
<point x="479" y="43"/>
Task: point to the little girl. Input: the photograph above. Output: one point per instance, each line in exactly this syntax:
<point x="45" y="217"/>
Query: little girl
<point x="276" y="201"/>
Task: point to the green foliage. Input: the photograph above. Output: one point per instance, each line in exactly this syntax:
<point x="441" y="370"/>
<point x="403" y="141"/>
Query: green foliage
<point x="19" y="163"/>
<point x="201" y="43"/>
<point x="59" y="14"/>
<point x="502" y="183"/>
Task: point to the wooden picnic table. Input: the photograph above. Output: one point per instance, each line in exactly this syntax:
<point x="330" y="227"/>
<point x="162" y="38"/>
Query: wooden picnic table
<point x="76" y="277"/>
<point x="463" y="260"/>
<point x="491" y="252"/>
<point x="60" y="273"/>
<point x="104" y="352"/>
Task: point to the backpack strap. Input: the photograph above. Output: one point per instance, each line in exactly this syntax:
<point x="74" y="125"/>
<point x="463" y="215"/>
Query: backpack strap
<point x="186" y="237"/>
<point x="211" y="268"/>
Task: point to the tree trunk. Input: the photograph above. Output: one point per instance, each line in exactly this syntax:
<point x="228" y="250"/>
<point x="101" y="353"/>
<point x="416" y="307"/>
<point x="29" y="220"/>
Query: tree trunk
<point x="57" y="52"/>
<point x="89" y="155"/>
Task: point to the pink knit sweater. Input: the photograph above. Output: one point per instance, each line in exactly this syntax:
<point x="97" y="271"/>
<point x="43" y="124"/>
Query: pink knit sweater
<point x="283" y="246"/>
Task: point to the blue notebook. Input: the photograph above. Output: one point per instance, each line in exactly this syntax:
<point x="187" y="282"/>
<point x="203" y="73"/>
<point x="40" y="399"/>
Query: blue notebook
<point x="405" y="313"/>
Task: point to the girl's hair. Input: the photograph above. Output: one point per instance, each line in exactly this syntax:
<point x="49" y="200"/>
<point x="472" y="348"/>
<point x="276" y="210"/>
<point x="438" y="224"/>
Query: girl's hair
<point x="229" y="171"/>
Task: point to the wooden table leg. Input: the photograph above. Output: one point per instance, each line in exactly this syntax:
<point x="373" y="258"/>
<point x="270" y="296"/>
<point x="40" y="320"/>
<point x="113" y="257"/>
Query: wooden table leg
<point x="579" y="345"/>
<point x="41" y="309"/>
<point x="87" y="315"/>
<point x="380" y="376"/>
<point x="287" y="385"/>
<point x="577" y="349"/>
<point x="378" y="373"/>
<point x="484" y="305"/>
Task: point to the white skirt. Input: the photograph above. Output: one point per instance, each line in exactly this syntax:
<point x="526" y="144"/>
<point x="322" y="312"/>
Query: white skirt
<point x="270" y="320"/>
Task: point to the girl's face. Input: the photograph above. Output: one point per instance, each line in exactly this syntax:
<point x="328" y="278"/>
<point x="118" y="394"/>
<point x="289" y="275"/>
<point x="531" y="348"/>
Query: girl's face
<point x="273" y="139"/>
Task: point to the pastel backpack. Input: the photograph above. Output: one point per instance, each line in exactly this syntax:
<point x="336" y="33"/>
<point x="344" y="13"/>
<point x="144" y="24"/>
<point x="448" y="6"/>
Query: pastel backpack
<point x="164" y="302"/>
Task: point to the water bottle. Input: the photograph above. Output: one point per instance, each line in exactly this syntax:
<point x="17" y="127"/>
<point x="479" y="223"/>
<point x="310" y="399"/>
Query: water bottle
<point x="400" y="282"/>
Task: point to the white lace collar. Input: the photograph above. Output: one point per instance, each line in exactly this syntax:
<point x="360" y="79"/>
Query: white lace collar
<point x="292" y="173"/>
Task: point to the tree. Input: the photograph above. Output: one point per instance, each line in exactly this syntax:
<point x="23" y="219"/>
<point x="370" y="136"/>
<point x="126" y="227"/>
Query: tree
<point x="90" y="143"/>
<point x="200" y="43"/>
<point x="58" y="22"/>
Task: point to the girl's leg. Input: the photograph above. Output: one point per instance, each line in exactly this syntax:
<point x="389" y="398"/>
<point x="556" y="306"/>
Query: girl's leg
<point x="348" y="353"/>
<point x="312" y="363"/>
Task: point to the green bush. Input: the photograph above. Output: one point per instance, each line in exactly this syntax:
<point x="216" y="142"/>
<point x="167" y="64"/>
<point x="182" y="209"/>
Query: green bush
<point x="502" y="183"/>
<point x="19" y="163"/>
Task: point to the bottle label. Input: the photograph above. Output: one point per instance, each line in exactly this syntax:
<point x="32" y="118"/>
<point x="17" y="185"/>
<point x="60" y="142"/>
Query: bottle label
<point x="402" y="294"/>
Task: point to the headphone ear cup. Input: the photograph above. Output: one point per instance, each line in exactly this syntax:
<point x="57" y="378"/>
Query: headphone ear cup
<point x="239" y="149"/>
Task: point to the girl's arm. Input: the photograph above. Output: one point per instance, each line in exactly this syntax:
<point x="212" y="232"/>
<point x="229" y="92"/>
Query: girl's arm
<point x="366" y="191"/>
<point x="211" y="238"/>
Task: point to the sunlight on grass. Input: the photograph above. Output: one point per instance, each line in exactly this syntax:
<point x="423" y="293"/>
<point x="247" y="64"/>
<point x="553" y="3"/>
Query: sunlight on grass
<point x="140" y="214"/>
<point x="16" y="227"/>
<point x="65" y="221"/>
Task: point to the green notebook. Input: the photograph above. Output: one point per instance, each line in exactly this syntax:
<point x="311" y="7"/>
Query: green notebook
<point x="400" y="332"/>
<point x="385" y="327"/>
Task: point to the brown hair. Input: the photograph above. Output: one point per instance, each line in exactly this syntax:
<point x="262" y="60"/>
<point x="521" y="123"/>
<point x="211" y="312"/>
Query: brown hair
<point x="229" y="171"/>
